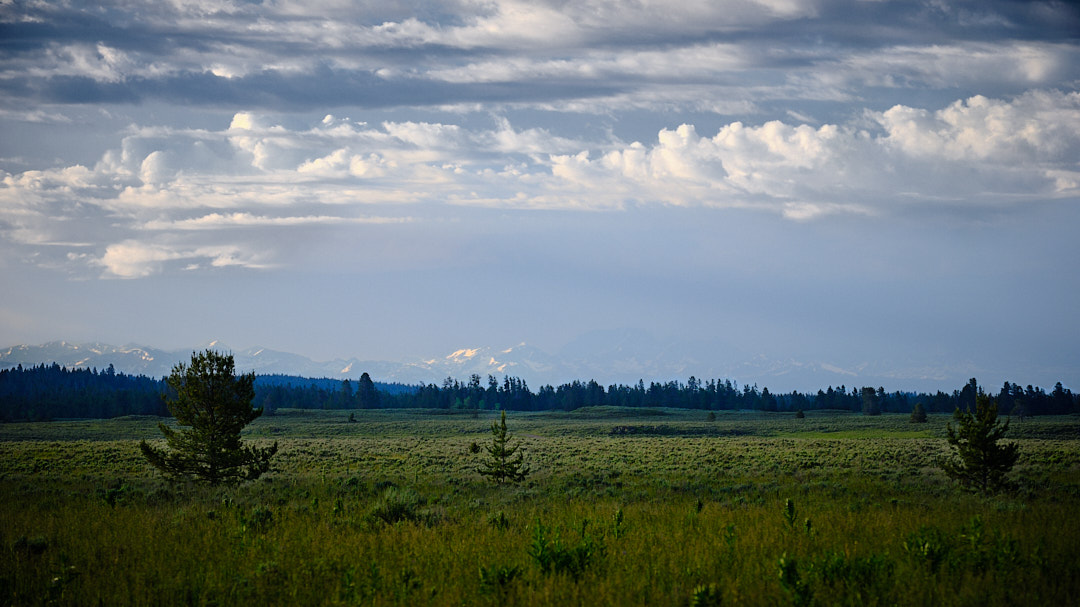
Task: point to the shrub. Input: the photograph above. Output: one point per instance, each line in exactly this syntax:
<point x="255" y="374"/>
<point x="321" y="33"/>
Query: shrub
<point x="616" y="520"/>
<point x="789" y="513"/>
<point x="856" y="572"/>
<point x="499" y="520"/>
<point x="553" y="556"/>
<point x="929" y="546"/>
<point x="497" y="576"/>
<point x="706" y="596"/>
<point x="792" y="582"/>
<point x="396" y="505"/>
<point x="30" y="546"/>
<point x="258" y="520"/>
<point x="116" y="492"/>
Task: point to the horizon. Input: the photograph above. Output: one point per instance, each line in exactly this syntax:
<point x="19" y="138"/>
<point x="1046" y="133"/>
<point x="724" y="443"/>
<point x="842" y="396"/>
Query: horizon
<point x="887" y="186"/>
<point x="463" y="363"/>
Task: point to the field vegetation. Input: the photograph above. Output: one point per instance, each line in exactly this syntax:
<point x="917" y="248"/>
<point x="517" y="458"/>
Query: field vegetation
<point x="620" y="507"/>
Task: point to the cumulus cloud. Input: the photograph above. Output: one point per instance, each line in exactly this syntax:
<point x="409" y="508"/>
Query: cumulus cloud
<point x="258" y="175"/>
<point x="1040" y="126"/>
<point x="132" y="259"/>
<point x="979" y="151"/>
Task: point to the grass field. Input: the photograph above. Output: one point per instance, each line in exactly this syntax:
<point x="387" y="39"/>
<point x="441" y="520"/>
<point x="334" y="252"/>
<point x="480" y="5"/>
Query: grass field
<point x="624" y="507"/>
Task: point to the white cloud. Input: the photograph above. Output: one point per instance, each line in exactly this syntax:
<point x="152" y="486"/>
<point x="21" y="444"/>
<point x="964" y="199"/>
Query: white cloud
<point x="980" y="151"/>
<point x="243" y="39"/>
<point x="370" y="167"/>
<point x="36" y="115"/>
<point x="242" y="121"/>
<point x="214" y="221"/>
<point x="425" y="135"/>
<point x="598" y="56"/>
<point x="672" y="64"/>
<point x="136" y="259"/>
<point x="257" y="175"/>
<point x="945" y="65"/>
<point x="132" y="259"/>
<point x="335" y="164"/>
<point x="1038" y="127"/>
<point x="521" y="23"/>
<point x="155" y="168"/>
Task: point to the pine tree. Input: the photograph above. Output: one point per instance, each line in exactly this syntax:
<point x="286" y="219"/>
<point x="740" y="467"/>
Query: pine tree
<point x="871" y="402"/>
<point x="918" y="414"/>
<point x="214" y="404"/>
<point x="978" y="462"/>
<point x="505" y="463"/>
<point x="367" y="395"/>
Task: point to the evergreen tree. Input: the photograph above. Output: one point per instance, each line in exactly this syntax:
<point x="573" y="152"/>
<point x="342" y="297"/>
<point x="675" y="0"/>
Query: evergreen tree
<point x="505" y="462"/>
<point x="918" y="414"/>
<point x="367" y="395"/>
<point x="214" y="404"/>
<point x="978" y="462"/>
<point x="871" y="402"/>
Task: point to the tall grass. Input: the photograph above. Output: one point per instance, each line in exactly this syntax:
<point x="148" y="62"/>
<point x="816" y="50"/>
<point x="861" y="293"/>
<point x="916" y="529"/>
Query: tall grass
<point x="390" y="511"/>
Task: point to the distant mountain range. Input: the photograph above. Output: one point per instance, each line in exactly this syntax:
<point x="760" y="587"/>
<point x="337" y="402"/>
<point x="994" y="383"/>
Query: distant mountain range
<point x="623" y="356"/>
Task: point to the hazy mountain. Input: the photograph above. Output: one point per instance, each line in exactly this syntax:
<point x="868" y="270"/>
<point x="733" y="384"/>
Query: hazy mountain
<point x="622" y="356"/>
<point x="133" y="360"/>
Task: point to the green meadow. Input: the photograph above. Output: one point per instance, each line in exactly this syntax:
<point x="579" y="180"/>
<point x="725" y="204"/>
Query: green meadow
<point x="622" y="507"/>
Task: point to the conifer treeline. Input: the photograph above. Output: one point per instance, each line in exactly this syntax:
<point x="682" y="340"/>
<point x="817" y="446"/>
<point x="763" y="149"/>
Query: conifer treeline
<point x="48" y="392"/>
<point x="514" y="394"/>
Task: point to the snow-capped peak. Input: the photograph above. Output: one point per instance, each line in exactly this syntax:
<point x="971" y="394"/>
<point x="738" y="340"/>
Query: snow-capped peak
<point x="463" y="354"/>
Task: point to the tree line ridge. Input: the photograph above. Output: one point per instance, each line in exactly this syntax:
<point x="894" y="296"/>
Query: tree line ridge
<point x="51" y="391"/>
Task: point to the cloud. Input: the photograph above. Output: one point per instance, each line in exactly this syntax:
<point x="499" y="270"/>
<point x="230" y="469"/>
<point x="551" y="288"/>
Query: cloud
<point x="131" y="259"/>
<point x="594" y="55"/>
<point x="260" y="175"/>
<point x="1024" y="63"/>
<point x="136" y="259"/>
<point x="216" y="221"/>
<point x="692" y="61"/>
<point x="1040" y="126"/>
<point x="980" y="151"/>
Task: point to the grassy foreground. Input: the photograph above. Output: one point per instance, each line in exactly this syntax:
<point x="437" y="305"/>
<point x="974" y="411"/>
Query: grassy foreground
<point x="624" y="507"/>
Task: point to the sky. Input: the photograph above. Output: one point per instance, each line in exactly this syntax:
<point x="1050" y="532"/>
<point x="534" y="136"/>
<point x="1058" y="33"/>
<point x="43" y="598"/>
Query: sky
<point x="848" y="183"/>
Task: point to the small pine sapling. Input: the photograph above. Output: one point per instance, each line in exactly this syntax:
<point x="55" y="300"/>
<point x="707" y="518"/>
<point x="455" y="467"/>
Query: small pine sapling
<point x="505" y="462"/>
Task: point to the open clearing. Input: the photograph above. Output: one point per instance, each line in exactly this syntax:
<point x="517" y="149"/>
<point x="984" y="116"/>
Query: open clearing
<point x="623" y="507"/>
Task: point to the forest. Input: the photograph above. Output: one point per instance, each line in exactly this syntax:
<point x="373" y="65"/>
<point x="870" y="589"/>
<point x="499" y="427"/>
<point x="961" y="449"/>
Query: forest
<point x="50" y="392"/>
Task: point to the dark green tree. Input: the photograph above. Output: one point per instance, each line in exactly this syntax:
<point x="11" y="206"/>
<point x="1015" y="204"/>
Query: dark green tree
<point x="978" y="462"/>
<point x="918" y="414"/>
<point x="367" y="395"/>
<point x="212" y="405"/>
<point x="871" y="402"/>
<point x="505" y="462"/>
